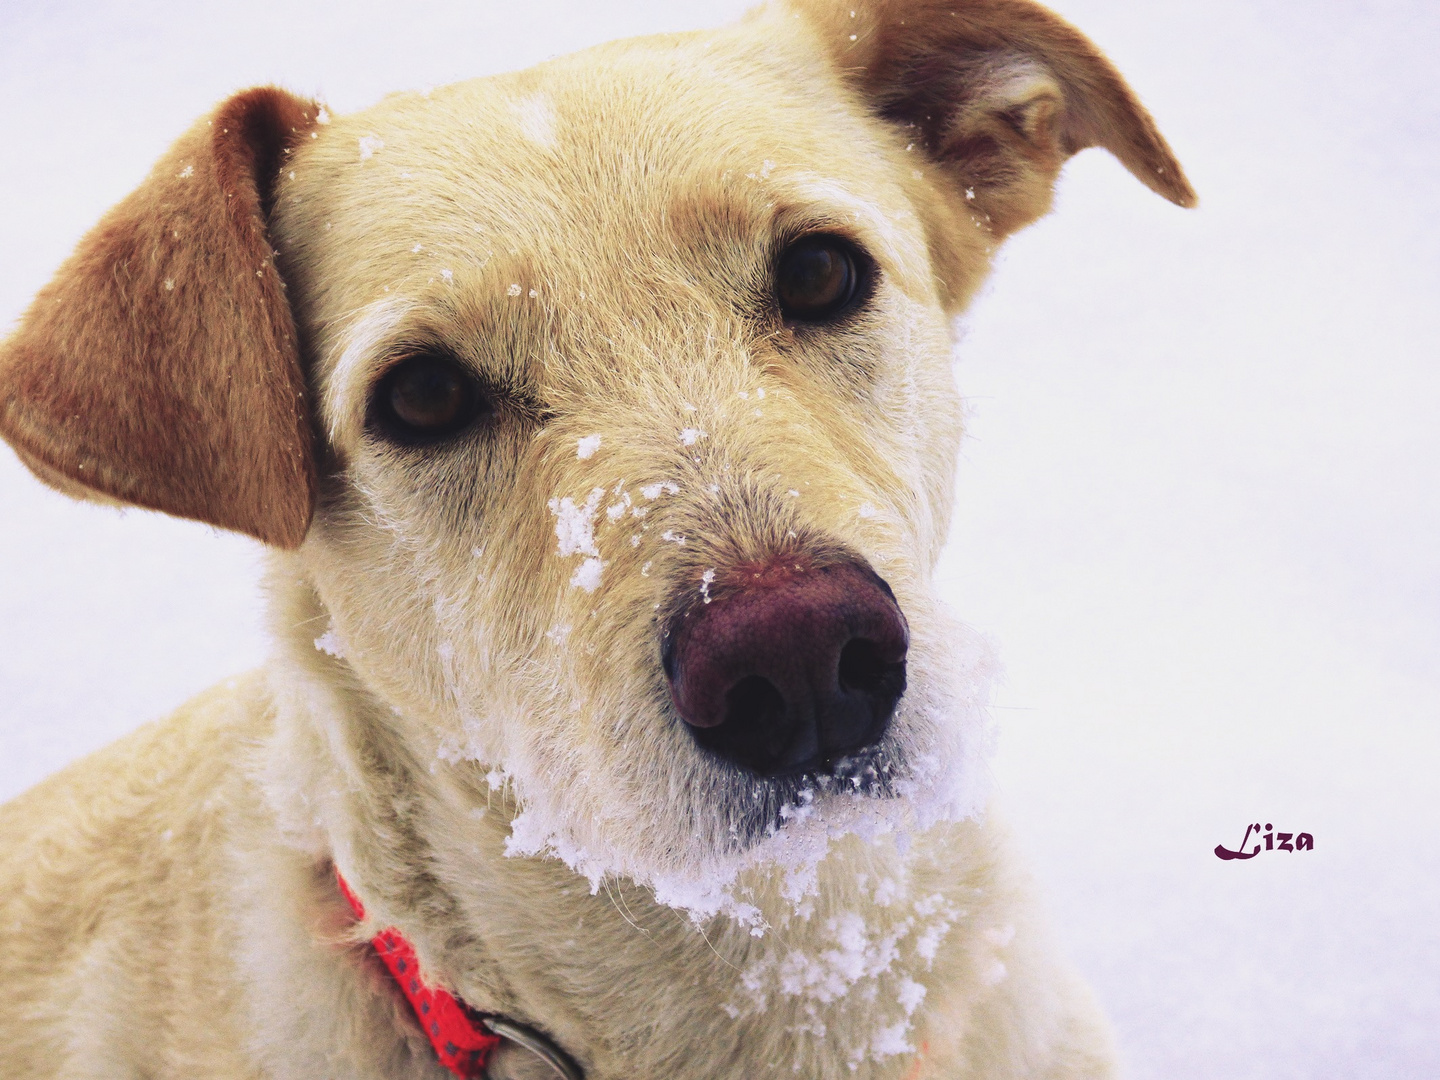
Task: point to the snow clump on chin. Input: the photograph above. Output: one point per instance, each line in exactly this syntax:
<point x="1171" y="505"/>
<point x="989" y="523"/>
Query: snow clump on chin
<point x="943" y="734"/>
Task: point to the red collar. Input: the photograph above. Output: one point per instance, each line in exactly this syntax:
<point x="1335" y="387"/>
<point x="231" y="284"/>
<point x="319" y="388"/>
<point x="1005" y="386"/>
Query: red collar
<point x="458" y="1033"/>
<point x="463" y="1038"/>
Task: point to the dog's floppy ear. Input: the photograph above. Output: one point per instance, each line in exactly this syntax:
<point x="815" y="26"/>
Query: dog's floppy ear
<point x="160" y="367"/>
<point x="998" y="92"/>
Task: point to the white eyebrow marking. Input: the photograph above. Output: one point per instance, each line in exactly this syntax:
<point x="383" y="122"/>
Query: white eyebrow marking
<point x="903" y="245"/>
<point x="357" y="354"/>
<point x="536" y="119"/>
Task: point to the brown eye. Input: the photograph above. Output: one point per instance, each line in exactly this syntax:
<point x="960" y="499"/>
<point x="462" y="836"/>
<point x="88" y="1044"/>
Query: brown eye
<point x="426" y="397"/>
<point x="817" y="278"/>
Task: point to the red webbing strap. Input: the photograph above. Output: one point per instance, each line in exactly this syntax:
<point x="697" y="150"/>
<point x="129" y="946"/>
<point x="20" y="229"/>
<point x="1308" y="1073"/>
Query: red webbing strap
<point x="454" y="1030"/>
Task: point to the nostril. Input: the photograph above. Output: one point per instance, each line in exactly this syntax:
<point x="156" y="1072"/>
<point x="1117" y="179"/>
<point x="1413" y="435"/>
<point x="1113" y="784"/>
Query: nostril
<point x="756" y="731"/>
<point x="871" y="679"/>
<point x="754" y="702"/>
<point x="865" y="669"/>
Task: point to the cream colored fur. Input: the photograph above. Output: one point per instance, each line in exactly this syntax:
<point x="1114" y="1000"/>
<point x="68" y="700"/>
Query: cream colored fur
<point x="589" y="232"/>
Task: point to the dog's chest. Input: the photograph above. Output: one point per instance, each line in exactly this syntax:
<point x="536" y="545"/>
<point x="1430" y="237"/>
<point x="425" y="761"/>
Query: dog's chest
<point x="844" y="983"/>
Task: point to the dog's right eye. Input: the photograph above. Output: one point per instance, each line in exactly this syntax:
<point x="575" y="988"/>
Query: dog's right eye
<point x="427" y="397"/>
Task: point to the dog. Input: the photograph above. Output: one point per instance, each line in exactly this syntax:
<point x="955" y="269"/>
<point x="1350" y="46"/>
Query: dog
<point x="600" y="422"/>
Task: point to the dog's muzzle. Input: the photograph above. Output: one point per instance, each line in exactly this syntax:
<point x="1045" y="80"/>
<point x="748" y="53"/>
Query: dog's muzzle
<point x="788" y="667"/>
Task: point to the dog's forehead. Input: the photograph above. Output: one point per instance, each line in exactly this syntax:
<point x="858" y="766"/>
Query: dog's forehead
<point x="615" y="163"/>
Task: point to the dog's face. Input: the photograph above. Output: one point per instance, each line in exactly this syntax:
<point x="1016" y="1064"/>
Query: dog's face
<point x="630" y="390"/>
<point x="679" y="357"/>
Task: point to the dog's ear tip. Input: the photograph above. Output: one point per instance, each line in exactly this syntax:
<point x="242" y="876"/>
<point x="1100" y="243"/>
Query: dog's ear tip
<point x="52" y="475"/>
<point x="1170" y="183"/>
<point x="279" y="518"/>
<point x="287" y="534"/>
<point x="278" y="515"/>
<point x="285" y="526"/>
<point x="1184" y="194"/>
<point x="1154" y="163"/>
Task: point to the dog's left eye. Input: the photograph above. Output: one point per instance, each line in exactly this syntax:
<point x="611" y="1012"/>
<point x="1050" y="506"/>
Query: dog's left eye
<point x="819" y="278"/>
<point x="426" y="397"/>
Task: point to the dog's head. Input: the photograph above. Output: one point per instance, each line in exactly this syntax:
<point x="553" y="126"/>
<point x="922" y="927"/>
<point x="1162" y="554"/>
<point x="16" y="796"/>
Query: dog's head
<point x="607" y="405"/>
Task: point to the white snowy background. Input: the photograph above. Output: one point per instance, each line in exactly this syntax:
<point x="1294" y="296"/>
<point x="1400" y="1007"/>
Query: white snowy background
<point x="1198" y="508"/>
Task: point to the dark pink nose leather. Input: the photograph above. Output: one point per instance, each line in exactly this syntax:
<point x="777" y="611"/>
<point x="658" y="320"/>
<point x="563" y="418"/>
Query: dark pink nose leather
<point x="791" y="667"/>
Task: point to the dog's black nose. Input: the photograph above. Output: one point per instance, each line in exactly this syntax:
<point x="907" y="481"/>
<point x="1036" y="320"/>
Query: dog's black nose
<point x="790" y="667"/>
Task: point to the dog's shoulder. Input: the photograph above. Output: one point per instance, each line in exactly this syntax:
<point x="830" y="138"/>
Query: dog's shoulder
<point x="113" y="855"/>
<point x="109" y="795"/>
